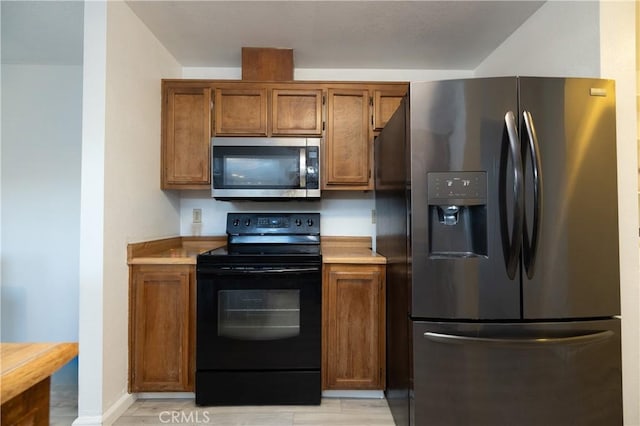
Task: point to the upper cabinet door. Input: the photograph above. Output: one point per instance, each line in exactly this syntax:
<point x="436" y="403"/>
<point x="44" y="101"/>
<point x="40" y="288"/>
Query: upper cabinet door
<point x="385" y="103"/>
<point x="347" y="156"/>
<point x="296" y="112"/>
<point x="186" y="137"/>
<point x="241" y="112"/>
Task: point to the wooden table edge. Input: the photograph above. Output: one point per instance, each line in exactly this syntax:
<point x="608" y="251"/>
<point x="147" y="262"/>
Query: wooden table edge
<point x="45" y="359"/>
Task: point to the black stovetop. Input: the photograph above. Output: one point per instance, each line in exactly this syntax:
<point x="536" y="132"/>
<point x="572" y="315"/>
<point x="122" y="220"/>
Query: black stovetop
<point x="251" y="237"/>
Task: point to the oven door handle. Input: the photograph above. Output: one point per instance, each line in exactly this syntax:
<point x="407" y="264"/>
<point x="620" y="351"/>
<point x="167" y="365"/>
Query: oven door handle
<point x="240" y="271"/>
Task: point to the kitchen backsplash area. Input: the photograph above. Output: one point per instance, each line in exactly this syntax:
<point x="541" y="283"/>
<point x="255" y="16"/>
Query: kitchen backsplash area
<point x="342" y="213"/>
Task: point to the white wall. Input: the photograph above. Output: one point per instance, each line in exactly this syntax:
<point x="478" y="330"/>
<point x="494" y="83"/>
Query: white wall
<point x="135" y="207"/>
<point x="41" y="134"/>
<point x="90" y="371"/>
<point x="124" y="85"/>
<point x="592" y="39"/>
<point x="618" y="61"/>
<point x="341" y="213"/>
<point x="561" y="39"/>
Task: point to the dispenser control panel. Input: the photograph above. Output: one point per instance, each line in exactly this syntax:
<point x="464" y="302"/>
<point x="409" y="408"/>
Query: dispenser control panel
<point x="457" y="187"/>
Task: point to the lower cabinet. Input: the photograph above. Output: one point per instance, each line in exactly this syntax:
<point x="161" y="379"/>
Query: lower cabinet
<point x="353" y="315"/>
<point x="162" y="328"/>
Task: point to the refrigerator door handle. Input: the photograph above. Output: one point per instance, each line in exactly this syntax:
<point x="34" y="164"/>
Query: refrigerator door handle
<point x="515" y="242"/>
<point x="461" y="339"/>
<point x="531" y="247"/>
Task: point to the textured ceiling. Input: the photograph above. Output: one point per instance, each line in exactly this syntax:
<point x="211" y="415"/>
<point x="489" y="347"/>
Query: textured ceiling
<point x="323" y="34"/>
<point x="336" y="34"/>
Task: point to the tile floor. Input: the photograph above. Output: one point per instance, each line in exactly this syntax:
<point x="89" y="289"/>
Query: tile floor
<point x="331" y="412"/>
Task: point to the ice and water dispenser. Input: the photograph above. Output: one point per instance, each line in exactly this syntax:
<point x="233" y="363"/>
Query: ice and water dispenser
<point x="457" y="214"/>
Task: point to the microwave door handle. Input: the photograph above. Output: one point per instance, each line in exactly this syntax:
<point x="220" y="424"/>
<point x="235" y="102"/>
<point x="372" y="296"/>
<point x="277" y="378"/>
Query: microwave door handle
<point x="303" y="168"/>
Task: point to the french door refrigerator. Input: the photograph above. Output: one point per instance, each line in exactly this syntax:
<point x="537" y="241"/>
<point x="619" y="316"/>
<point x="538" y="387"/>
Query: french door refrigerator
<point x="497" y="209"/>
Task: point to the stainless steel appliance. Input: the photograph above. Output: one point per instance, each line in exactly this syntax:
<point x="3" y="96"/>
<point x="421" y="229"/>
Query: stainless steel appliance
<point x="258" y="327"/>
<point x="271" y="168"/>
<point x="497" y="208"/>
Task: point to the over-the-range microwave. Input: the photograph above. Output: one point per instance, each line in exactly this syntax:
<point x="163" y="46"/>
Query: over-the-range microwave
<point x="254" y="168"/>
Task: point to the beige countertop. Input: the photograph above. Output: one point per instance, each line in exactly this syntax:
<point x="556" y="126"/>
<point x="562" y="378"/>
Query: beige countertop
<point x="184" y="250"/>
<point x="364" y="255"/>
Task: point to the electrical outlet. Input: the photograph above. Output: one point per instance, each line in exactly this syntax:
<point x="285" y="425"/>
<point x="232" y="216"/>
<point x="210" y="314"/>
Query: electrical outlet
<point x="197" y="215"/>
<point x="373" y="216"/>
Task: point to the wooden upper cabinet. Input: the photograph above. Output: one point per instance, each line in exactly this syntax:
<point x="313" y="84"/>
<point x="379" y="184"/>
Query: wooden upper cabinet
<point x="347" y="115"/>
<point x="186" y="137"/>
<point x="353" y="327"/>
<point x="348" y="154"/>
<point x="240" y="112"/>
<point x="385" y="103"/>
<point x="162" y="328"/>
<point x="296" y="112"/>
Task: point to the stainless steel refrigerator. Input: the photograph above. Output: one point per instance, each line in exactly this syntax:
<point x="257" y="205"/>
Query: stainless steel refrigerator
<point x="497" y="209"/>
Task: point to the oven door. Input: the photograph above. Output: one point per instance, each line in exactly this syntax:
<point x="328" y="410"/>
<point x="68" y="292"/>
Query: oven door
<point x="258" y="317"/>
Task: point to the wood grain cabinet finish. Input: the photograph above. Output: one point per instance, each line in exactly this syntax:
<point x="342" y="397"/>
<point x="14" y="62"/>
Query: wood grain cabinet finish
<point x="385" y="103"/>
<point x="353" y="306"/>
<point x="296" y="112"/>
<point x="186" y="137"/>
<point x="347" y="115"/>
<point x="348" y="154"/>
<point x="241" y="112"/>
<point x="162" y="328"/>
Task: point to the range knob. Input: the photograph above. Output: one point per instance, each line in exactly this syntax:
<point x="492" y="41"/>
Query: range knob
<point x="247" y="222"/>
<point x="236" y="222"/>
<point x="309" y="222"/>
<point x="298" y="222"/>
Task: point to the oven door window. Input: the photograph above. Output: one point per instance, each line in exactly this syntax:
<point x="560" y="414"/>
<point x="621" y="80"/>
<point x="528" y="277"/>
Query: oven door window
<point x="258" y="314"/>
<point x="259" y="320"/>
<point x="253" y="167"/>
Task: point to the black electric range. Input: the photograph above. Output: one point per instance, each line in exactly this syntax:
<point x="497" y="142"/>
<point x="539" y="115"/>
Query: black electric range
<point x="258" y="329"/>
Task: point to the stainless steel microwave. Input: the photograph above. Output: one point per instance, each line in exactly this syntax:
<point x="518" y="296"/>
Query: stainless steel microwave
<point x="265" y="168"/>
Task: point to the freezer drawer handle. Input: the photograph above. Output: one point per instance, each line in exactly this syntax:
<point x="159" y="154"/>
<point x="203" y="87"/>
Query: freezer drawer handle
<point x="530" y="248"/>
<point x="583" y="338"/>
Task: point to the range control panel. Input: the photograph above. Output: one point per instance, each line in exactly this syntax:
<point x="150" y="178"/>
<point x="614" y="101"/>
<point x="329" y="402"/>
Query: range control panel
<point x="273" y="223"/>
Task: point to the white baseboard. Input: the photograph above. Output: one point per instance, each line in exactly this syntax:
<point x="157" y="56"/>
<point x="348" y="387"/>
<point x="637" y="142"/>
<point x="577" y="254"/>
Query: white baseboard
<point x="374" y="394"/>
<point x="165" y="395"/>
<point x="88" y="420"/>
<point x="110" y="416"/>
<point x="118" y="408"/>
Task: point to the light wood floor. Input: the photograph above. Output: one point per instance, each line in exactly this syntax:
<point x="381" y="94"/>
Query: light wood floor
<point x="63" y="405"/>
<point x="331" y="412"/>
